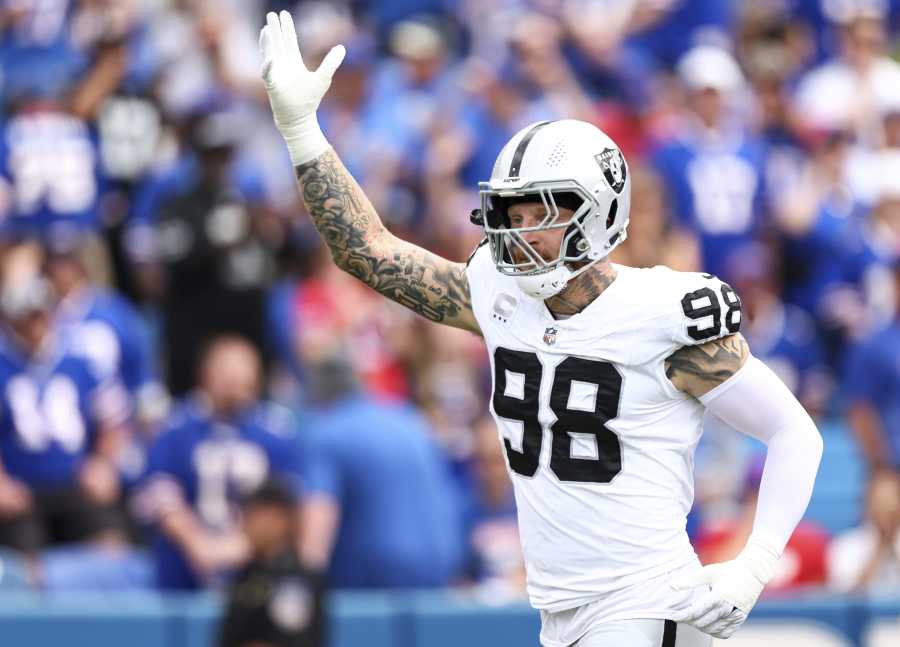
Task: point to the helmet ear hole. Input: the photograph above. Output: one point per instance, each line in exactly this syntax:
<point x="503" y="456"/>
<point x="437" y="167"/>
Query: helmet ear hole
<point x="613" y="210"/>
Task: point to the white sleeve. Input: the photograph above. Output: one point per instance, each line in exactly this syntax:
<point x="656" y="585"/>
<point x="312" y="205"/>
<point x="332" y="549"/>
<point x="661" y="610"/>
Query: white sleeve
<point x="756" y="402"/>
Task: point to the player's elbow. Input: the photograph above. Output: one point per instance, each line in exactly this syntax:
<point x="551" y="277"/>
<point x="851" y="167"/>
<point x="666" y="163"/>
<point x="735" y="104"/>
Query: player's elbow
<point x="801" y="437"/>
<point x="817" y="444"/>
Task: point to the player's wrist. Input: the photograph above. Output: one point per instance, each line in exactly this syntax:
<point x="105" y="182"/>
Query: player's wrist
<point x="304" y="138"/>
<point x="760" y="556"/>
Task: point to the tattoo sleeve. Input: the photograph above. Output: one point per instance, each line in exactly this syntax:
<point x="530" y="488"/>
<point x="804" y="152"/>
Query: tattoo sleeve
<point x="696" y="370"/>
<point x="427" y="284"/>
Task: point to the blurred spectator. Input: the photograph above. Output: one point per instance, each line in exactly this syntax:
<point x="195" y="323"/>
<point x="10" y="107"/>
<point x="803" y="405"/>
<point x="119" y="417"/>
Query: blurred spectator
<point x="781" y="335"/>
<point x="495" y="560"/>
<point x="448" y="372"/>
<point x="846" y="92"/>
<point x="213" y="257"/>
<point x="221" y="442"/>
<point x="712" y="166"/>
<point x="62" y="428"/>
<point x="822" y="224"/>
<point x="870" y="270"/>
<point x="802" y="565"/>
<point x="867" y="558"/>
<point x="272" y="601"/>
<point x="667" y="29"/>
<point x="654" y="238"/>
<point x="873" y="391"/>
<point x="381" y="509"/>
<point x="102" y="326"/>
<point x="49" y="160"/>
<point x="408" y="93"/>
<point x="331" y="307"/>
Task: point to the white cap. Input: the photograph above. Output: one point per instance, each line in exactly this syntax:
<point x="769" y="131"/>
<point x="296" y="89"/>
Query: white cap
<point x="416" y="40"/>
<point x="708" y="67"/>
<point x="888" y="99"/>
<point x="888" y="186"/>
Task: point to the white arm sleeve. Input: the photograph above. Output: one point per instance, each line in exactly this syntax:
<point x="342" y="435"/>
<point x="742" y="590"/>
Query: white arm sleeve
<point x="756" y="402"/>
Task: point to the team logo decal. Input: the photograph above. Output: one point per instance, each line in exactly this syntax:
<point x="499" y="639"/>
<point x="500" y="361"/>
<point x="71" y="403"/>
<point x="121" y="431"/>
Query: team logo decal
<point x="613" y="166"/>
<point x="550" y="335"/>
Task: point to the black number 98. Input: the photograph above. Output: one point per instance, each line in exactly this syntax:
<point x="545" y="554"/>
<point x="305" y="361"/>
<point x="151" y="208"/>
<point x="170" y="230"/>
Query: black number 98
<point x="704" y="303"/>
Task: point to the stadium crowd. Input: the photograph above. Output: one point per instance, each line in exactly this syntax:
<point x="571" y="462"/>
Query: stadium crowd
<point x="175" y="336"/>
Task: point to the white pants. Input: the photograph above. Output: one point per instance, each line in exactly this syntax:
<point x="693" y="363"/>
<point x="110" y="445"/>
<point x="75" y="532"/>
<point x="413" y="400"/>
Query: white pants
<point x="627" y="618"/>
<point x="644" y="633"/>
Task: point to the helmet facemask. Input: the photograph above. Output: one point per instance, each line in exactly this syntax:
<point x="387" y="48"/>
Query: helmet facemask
<point x="505" y="240"/>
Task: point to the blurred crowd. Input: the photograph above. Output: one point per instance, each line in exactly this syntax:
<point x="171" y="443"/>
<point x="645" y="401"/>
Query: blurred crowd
<point x="177" y="346"/>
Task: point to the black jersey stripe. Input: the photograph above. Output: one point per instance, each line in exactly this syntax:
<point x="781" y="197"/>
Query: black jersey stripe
<point x="520" y="149"/>
<point x="669" y="628"/>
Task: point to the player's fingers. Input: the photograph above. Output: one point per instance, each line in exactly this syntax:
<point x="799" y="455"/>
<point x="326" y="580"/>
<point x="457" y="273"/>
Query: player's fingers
<point x="289" y="34"/>
<point x="265" y="50"/>
<point x="696" y="610"/>
<point x="332" y="61"/>
<point x="726" y="627"/>
<point x="693" y="579"/>
<point x="274" y="34"/>
<point x="715" y="615"/>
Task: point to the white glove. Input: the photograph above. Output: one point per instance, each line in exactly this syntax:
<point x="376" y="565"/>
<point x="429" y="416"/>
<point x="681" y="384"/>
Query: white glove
<point x="294" y="91"/>
<point x="734" y="588"/>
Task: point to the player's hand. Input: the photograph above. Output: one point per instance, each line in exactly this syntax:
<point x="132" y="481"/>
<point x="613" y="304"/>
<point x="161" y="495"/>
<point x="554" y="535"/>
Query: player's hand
<point x="15" y="497"/>
<point x="294" y="91"/>
<point x="99" y="480"/>
<point x="733" y="589"/>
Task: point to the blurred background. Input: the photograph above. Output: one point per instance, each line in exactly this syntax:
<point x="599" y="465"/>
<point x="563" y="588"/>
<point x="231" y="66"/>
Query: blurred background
<point x="193" y="398"/>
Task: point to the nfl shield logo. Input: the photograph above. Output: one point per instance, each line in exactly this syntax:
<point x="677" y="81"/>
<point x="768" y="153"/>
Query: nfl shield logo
<point x="550" y="336"/>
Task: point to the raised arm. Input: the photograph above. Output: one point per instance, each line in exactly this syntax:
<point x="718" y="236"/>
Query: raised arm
<point x="427" y="284"/>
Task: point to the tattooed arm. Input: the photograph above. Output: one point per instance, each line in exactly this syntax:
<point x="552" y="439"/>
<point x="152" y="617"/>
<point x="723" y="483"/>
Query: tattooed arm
<point x="360" y="244"/>
<point x="427" y="284"/>
<point x="696" y="370"/>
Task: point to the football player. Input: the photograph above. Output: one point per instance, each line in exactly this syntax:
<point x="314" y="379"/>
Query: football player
<point x="602" y="373"/>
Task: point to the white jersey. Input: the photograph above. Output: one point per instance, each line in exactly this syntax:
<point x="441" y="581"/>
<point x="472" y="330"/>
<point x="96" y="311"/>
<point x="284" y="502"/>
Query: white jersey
<point x="599" y="443"/>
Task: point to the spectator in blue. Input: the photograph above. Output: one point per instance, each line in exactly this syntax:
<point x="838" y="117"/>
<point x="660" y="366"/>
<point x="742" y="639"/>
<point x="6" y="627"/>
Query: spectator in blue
<point x="712" y="167"/>
<point x="869" y="269"/>
<point x="494" y="554"/>
<point x="781" y="335"/>
<point x="409" y="93"/>
<point x="220" y="443"/>
<point x="49" y="158"/>
<point x="872" y="385"/>
<point x="103" y="326"/>
<point x="668" y="29"/>
<point x="61" y="429"/>
<point x="382" y="510"/>
<point x="821" y="222"/>
<point x="213" y="257"/>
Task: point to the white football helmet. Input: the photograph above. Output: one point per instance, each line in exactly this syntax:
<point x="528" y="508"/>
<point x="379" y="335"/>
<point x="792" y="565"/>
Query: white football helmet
<point x="560" y="163"/>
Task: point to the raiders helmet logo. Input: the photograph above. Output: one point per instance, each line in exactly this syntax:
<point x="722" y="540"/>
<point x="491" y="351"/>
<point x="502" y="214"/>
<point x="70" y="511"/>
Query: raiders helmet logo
<point x="613" y="166"/>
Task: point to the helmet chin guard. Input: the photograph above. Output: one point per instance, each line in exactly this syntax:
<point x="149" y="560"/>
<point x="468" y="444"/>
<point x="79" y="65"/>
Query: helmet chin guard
<point x="565" y="163"/>
<point x="545" y="284"/>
